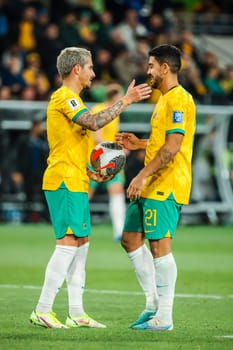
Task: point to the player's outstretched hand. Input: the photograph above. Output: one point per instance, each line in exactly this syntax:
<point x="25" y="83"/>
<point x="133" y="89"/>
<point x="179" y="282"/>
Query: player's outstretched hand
<point x="136" y="93"/>
<point x="127" y="140"/>
<point x="96" y="176"/>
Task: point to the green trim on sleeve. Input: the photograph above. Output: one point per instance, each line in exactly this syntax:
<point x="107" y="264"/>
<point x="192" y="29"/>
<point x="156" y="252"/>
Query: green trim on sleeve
<point x="79" y="113"/>
<point x="173" y="131"/>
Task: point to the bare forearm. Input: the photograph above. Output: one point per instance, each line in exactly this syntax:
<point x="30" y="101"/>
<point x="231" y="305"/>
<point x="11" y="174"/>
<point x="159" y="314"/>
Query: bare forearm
<point x="130" y="141"/>
<point x="164" y="155"/>
<point x="160" y="161"/>
<point x="162" y="158"/>
<point x="98" y="120"/>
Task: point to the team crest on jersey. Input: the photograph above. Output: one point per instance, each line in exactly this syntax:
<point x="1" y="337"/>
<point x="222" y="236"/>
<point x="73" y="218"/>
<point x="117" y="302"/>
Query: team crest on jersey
<point x="73" y="103"/>
<point x="177" y="117"/>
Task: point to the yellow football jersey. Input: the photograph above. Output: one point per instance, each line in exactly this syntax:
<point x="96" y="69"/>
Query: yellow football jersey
<point x="109" y="131"/>
<point x="68" y="142"/>
<point x="174" y="112"/>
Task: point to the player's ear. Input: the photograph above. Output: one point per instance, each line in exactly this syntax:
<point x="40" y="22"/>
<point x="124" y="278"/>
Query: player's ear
<point x="165" y="68"/>
<point x="76" y="69"/>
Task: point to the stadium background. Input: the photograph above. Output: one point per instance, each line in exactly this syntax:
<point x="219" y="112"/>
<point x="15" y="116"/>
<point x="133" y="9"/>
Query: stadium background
<point x="203" y="303"/>
<point x="33" y="32"/>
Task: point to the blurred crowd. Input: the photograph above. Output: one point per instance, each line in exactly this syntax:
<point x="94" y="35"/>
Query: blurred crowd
<point x="119" y="34"/>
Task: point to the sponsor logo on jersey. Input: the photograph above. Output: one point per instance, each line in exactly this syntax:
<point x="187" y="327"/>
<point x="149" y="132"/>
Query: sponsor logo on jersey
<point x="73" y="103"/>
<point x="177" y="117"/>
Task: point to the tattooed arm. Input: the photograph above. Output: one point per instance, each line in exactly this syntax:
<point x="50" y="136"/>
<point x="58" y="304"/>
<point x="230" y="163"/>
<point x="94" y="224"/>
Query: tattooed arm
<point x="165" y="155"/>
<point x="98" y="120"/>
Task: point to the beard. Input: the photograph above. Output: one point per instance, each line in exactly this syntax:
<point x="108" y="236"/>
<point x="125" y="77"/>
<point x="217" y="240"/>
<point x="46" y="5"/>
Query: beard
<point x="156" y="82"/>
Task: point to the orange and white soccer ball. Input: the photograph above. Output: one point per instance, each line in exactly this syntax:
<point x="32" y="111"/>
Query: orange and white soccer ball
<point x="108" y="158"/>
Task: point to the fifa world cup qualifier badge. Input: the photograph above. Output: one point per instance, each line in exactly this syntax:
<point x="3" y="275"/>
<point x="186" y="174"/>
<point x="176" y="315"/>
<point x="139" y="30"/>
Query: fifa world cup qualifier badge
<point x="177" y="117"/>
<point x="73" y="103"/>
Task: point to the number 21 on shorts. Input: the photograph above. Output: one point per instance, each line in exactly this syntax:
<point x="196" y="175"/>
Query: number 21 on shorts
<point x="150" y="219"/>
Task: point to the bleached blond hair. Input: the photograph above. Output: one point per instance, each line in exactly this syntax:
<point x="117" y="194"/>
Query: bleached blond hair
<point x="69" y="57"/>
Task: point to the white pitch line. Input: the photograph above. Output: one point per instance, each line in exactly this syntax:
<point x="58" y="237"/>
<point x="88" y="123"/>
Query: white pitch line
<point x="120" y="292"/>
<point x="200" y="296"/>
<point x="224" y="336"/>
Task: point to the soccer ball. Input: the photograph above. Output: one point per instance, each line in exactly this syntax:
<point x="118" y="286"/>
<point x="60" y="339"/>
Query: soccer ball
<point x="108" y="158"/>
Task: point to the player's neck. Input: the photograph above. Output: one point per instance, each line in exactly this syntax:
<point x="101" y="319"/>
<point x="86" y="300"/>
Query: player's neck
<point x="72" y="85"/>
<point x="169" y="85"/>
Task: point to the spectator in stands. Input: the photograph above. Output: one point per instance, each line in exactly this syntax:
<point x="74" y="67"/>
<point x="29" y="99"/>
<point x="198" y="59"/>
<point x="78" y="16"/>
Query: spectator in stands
<point x="142" y="49"/>
<point x="206" y="6"/>
<point x="227" y="82"/>
<point x="130" y="28"/>
<point x="41" y="23"/>
<point x="116" y="42"/>
<point x="87" y="30"/>
<point x="207" y="59"/>
<point x="35" y="77"/>
<point x="125" y="66"/>
<point x="4" y="161"/>
<point x="11" y="76"/>
<point x="13" y="50"/>
<point x="29" y="93"/>
<point x="217" y="95"/>
<point x="191" y="80"/>
<point x="26" y="29"/>
<point x="5" y="93"/>
<point x="104" y="68"/>
<point x="117" y="8"/>
<point x="30" y="167"/>
<point x="4" y="28"/>
<point x="69" y="30"/>
<point x="156" y="28"/>
<point x="49" y="46"/>
<point x="105" y="27"/>
<point x="187" y="45"/>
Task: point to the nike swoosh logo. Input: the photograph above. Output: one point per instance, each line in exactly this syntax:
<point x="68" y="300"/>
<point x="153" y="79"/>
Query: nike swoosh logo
<point x="83" y="321"/>
<point x="161" y="285"/>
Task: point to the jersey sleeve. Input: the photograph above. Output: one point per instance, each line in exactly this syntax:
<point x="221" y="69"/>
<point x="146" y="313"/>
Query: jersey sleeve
<point x="176" y="118"/>
<point x="74" y="107"/>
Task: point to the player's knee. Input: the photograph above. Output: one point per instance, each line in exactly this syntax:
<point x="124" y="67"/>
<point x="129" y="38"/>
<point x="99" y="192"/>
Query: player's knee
<point x="125" y="243"/>
<point x="130" y="242"/>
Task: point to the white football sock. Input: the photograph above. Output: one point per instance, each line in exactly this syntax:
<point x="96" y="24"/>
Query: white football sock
<point x="55" y="274"/>
<point x="76" y="281"/>
<point x="142" y="261"/>
<point x="117" y="208"/>
<point x="166" y="274"/>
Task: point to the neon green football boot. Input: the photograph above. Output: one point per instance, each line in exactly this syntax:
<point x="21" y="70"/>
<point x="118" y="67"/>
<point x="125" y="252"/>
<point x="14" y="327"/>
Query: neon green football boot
<point x="47" y="320"/>
<point x="83" y="320"/>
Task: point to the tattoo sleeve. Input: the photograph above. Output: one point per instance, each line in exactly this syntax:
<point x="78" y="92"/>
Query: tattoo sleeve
<point x="165" y="156"/>
<point x="98" y="120"/>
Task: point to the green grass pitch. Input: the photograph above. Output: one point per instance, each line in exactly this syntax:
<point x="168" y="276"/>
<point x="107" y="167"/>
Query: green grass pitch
<point x="203" y="308"/>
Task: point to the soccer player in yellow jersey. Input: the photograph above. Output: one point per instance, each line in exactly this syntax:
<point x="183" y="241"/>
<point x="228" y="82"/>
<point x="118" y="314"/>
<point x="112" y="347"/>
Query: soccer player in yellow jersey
<point x="65" y="184"/>
<point x="115" y="186"/>
<point x="160" y="189"/>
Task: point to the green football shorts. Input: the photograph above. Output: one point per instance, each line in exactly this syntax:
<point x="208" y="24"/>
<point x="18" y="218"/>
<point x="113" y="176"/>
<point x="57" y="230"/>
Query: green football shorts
<point x="69" y="212"/>
<point x="154" y="218"/>
<point x="118" y="178"/>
